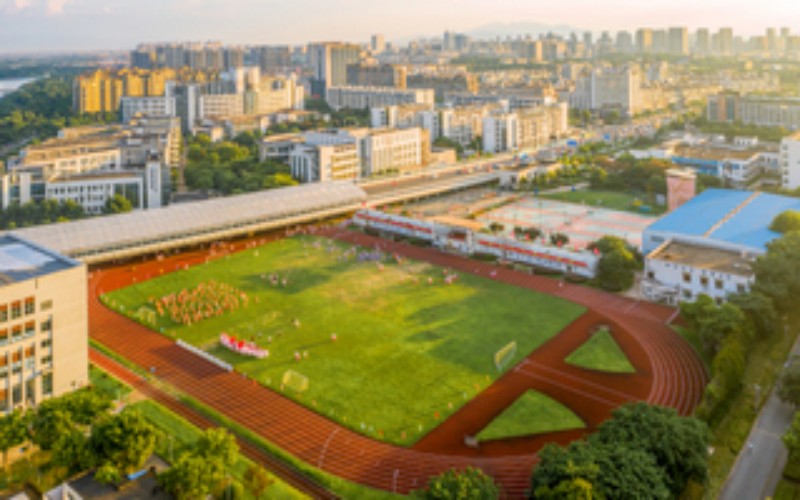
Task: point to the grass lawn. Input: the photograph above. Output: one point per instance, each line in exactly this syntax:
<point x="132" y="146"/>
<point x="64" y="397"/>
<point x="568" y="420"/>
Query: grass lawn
<point x="532" y="413"/>
<point x="106" y="385"/>
<point x="602" y="353"/>
<point x="606" y="199"/>
<point x="181" y="435"/>
<point x="407" y="353"/>
<point x="787" y="490"/>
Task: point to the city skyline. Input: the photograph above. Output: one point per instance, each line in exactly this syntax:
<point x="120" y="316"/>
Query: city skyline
<point x="51" y="25"/>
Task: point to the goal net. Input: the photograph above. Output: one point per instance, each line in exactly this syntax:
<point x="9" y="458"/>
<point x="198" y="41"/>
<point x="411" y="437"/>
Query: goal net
<point x="295" y="381"/>
<point x="504" y="355"/>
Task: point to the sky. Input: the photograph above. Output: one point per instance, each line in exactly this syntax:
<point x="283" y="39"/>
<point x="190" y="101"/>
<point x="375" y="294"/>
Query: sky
<point x="59" y="25"/>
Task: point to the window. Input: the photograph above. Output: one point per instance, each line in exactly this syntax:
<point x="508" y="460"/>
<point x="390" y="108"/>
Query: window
<point x="651" y="275"/>
<point x="687" y="278"/>
<point x="46" y="343"/>
<point x="30" y="329"/>
<point x="740" y="288"/>
<point x="47" y="360"/>
<point x="16" y="394"/>
<point x="16" y="310"/>
<point x="16" y="333"/>
<point x="4" y="313"/>
<point x="46" y="305"/>
<point x="47" y="384"/>
<point x="719" y="284"/>
<point x="30" y="305"/>
<point x="46" y="326"/>
<point x="687" y="294"/>
<point x="704" y="280"/>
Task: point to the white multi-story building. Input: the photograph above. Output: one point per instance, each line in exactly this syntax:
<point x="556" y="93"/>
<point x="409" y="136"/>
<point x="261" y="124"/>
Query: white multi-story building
<point x="790" y="161"/>
<point x="43" y="324"/>
<point x="677" y="272"/>
<point x="322" y="163"/>
<point x="393" y="150"/>
<point x="131" y="107"/>
<point x="524" y="129"/>
<point x="375" y="97"/>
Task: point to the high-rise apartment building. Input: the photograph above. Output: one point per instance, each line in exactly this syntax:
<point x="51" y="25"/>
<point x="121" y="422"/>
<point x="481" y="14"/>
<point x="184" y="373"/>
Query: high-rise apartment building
<point x="644" y="40"/>
<point x="377" y="43"/>
<point x="373" y="74"/>
<point x="625" y="43"/>
<point x="702" y="42"/>
<point x="43" y="324"/>
<point x="329" y="63"/>
<point x="725" y="42"/>
<point x="678" y="41"/>
<point x="790" y="161"/>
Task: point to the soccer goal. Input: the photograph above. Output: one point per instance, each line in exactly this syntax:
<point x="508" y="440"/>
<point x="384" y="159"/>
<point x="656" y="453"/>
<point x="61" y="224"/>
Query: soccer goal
<point x="294" y="380"/>
<point x="504" y="356"/>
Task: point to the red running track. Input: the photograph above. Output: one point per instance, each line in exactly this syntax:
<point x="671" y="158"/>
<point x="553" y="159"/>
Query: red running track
<point x="668" y="373"/>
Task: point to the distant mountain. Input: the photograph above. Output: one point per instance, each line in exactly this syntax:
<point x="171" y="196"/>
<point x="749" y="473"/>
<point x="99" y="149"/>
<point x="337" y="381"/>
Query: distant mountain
<point x="522" y="28"/>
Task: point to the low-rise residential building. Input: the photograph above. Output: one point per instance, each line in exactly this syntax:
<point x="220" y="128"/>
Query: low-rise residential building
<point x="373" y="97"/>
<point x="790" y="161"/>
<point x="764" y="111"/>
<point x="43" y="324"/>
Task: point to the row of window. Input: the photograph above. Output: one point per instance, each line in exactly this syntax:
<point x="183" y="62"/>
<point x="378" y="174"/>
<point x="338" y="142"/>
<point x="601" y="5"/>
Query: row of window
<point x="22" y="307"/>
<point x="21" y="332"/>
<point x="30" y="392"/>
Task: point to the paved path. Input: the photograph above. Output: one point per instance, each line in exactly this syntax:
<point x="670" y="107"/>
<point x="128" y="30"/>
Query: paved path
<point x="758" y="468"/>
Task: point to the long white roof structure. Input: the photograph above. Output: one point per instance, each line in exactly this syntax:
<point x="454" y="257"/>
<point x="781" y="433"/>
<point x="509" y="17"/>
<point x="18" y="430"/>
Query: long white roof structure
<point x="116" y="236"/>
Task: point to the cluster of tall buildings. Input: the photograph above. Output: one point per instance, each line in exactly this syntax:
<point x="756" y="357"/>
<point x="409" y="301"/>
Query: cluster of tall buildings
<point x="213" y="56"/>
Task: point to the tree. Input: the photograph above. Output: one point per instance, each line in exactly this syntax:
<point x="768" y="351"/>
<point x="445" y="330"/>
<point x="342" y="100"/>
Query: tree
<point x="713" y="323"/>
<point x="786" y="221"/>
<point x="73" y="452"/>
<point x="678" y="444"/>
<point x="257" y="480"/>
<point x="85" y="406"/>
<point x="778" y="271"/>
<point x="13" y="432"/>
<point x="760" y="311"/>
<point x="460" y="485"/>
<point x="186" y="478"/>
<point x="789" y="388"/>
<point x="49" y="423"/>
<point x="616" y="270"/>
<point x="445" y="142"/>
<point x="117" y="204"/>
<point x="496" y="227"/>
<point x="589" y="470"/>
<point x="559" y="239"/>
<point x="126" y="440"/>
<point x="107" y="473"/>
<point x="792" y="438"/>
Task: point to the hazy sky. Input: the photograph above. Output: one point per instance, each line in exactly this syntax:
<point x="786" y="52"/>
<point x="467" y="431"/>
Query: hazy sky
<point x="28" y="25"/>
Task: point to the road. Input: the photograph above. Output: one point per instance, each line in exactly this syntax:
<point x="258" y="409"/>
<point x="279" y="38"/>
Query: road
<point x="760" y="463"/>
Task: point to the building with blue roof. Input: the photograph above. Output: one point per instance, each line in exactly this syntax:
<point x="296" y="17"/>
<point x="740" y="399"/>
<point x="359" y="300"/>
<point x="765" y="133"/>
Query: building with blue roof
<point x="723" y="218"/>
<point x="708" y="244"/>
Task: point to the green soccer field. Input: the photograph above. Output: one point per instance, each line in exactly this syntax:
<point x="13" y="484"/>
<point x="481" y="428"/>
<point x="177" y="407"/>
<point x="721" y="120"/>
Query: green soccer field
<point x="409" y="350"/>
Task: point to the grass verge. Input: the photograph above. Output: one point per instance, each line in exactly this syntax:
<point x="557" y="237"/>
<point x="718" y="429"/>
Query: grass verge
<point x="531" y="413"/>
<point x="602" y="353"/>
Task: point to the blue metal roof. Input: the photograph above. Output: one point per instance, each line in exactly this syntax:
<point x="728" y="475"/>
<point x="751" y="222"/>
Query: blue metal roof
<point x="699" y="214"/>
<point x="750" y="227"/>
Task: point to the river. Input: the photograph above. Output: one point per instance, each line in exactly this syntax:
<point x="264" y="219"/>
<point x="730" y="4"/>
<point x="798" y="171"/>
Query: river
<point x="8" y="85"/>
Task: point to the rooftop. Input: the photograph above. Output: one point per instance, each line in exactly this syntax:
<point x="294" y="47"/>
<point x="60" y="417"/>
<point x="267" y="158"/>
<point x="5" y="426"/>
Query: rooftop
<point x="716" y="153"/>
<point x="192" y="220"/>
<point x="21" y="260"/>
<point x="740" y="218"/>
<point x="702" y="257"/>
